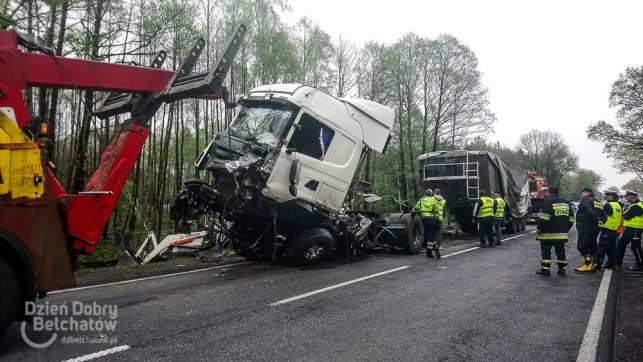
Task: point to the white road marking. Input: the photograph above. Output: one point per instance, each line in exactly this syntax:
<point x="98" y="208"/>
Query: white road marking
<point x="460" y="252"/>
<point x="147" y="278"/>
<point x="477" y="247"/>
<point x="104" y="353"/>
<point x="587" y="352"/>
<point x="305" y="295"/>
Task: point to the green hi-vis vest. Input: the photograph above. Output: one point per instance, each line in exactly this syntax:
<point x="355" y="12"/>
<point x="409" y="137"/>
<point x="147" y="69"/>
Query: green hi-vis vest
<point x="487" y="207"/>
<point x="427" y="206"/>
<point x="614" y="221"/>
<point x="441" y="204"/>
<point x="500" y="208"/>
<point x="637" y="221"/>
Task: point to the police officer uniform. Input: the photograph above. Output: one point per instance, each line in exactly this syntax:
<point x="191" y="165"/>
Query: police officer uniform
<point x="428" y="210"/>
<point x="498" y="216"/>
<point x="590" y="213"/>
<point x="483" y="213"/>
<point x="554" y="221"/>
<point x="607" y="238"/>
<point x="632" y="230"/>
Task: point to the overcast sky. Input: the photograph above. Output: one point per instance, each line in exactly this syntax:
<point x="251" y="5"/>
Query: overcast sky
<point x="548" y="64"/>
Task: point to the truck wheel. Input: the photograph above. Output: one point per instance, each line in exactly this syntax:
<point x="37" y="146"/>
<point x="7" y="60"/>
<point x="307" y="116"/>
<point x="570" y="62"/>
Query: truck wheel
<point x="9" y="295"/>
<point x="414" y="234"/>
<point x="310" y="246"/>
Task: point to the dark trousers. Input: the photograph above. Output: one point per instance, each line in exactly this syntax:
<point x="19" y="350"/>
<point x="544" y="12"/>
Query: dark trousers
<point x="438" y="232"/>
<point x="485" y="230"/>
<point x="545" y="251"/>
<point x="497" y="226"/>
<point x="630" y="235"/>
<point x="607" y="246"/>
<point x="587" y="239"/>
<point x="430" y="227"/>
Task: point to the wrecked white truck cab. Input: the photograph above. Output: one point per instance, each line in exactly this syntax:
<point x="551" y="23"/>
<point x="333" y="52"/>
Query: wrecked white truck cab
<point x="282" y="173"/>
<point x="327" y="138"/>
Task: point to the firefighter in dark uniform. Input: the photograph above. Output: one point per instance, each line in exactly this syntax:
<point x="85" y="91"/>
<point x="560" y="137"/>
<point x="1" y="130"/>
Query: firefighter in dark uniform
<point x="607" y="238"/>
<point x="590" y="213"/>
<point x="427" y="207"/>
<point x="499" y="215"/>
<point x="632" y="230"/>
<point x="483" y="213"/>
<point x="555" y="219"/>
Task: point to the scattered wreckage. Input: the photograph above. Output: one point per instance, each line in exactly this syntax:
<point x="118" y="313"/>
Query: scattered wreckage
<point x="281" y="175"/>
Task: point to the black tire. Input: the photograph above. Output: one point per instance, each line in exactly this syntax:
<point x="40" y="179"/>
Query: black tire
<point x="414" y="235"/>
<point x="10" y="296"/>
<point x="310" y="246"/>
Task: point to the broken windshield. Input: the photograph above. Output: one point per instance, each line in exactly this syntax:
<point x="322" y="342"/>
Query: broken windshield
<point x="262" y="122"/>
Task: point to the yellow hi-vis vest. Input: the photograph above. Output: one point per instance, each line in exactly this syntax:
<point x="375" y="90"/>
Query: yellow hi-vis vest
<point x="427" y="206"/>
<point x="441" y="204"/>
<point x="637" y="221"/>
<point x="500" y="208"/>
<point x="487" y="207"/>
<point x="614" y="221"/>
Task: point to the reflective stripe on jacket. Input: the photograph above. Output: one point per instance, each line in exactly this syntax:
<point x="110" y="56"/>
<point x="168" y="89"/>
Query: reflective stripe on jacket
<point x="614" y="220"/>
<point x="555" y="219"/>
<point x="486" y="210"/>
<point x="441" y="202"/>
<point x="635" y="222"/>
<point x="427" y="206"/>
<point x="500" y="208"/>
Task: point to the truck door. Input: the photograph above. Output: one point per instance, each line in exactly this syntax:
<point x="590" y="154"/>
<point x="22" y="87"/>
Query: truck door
<point x="341" y="162"/>
<point x="311" y="141"/>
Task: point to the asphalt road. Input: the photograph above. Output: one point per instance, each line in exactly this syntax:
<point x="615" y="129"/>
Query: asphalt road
<point x="481" y="304"/>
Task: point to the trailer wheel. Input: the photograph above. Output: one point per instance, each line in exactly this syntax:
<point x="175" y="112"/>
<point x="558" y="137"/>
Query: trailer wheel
<point x="414" y="235"/>
<point x="9" y="295"/>
<point x="310" y="246"/>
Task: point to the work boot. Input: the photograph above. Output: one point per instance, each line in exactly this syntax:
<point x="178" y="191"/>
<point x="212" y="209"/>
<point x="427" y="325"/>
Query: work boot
<point x="544" y="272"/>
<point x="587" y="266"/>
<point x="498" y="243"/>
<point x="491" y="245"/>
<point x="561" y="271"/>
<point x="429" y="255"/>
<point x="436" y="250"/>
<point x="610" y="266"/>
<point x="636" y="268"/>
<point x="483" y="245"/>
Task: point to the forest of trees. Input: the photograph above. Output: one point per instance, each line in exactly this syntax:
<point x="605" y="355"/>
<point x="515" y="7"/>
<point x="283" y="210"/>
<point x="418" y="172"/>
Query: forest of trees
<point x="434" y="85"/>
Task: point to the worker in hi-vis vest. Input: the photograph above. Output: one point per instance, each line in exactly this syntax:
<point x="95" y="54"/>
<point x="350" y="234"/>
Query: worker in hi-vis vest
<point x="428" y="210"/>
<point x="499" y="215"/>
<point x="607" y="238"/>
<point x="632" y="230"/>
<point x="483" y="213"/>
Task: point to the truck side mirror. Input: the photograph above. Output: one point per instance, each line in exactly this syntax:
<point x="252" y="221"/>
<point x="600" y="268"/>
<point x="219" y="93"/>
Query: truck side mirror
<point x="293" y="177"/>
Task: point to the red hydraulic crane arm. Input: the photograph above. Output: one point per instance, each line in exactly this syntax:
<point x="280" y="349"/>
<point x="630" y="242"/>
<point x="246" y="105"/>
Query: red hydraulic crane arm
<point x="138" y="90"/>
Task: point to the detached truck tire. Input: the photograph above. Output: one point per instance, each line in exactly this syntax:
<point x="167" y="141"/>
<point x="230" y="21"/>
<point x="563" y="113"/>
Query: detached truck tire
<point x="10" y="297"/>
<point x="310" y="246"/>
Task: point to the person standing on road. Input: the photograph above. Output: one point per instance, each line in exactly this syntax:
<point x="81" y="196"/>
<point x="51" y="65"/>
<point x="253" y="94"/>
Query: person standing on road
<point x="554" y="221"/>
<point x="632" y="230"/>
<point x="590" y="213"/>
<point x="607" y="238"/>
<point x="428" y="210"/>
<point x="483" y="213"/>
<point x="499" y="215"/>
<point x="440" y="201"/>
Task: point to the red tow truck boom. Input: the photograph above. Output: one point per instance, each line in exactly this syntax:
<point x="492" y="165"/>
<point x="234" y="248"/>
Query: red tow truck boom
<point x="41" y="225"/>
